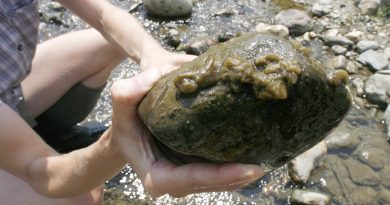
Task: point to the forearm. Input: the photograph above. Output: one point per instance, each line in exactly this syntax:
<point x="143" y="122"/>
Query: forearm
<point x="77" y="172"/>
<point x="116" y="25"/>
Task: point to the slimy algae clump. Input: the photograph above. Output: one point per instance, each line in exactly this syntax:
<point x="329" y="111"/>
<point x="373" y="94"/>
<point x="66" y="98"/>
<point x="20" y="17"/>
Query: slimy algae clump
<point x="256" y="98"/>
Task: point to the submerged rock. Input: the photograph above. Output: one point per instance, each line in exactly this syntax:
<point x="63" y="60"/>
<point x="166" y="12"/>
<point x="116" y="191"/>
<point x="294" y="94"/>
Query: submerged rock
<point x="168" y="8"/>
<point x="257" y="98"/>
<point x="305" y="197"/>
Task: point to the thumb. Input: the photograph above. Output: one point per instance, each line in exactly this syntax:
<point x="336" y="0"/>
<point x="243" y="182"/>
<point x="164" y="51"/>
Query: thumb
<point x="127" y="93"/>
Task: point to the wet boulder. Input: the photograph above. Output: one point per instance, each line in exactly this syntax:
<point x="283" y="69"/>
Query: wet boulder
<point x="256" y="98"/>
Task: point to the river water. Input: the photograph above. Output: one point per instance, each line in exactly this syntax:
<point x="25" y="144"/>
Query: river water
<point x="344" y="173"/>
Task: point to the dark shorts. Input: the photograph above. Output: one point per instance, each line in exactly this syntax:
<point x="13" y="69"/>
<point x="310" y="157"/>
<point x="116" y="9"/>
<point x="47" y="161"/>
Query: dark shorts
<point x="72" y="108"/>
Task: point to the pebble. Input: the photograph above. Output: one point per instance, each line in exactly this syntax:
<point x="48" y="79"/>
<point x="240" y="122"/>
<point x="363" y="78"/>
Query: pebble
<point x="278" y="30"/>
<point x="340" y="140"/>
<point x="373" y="157"/>
<point x="200" y="45"/>
<point x="373" y="60"/>
<point x="359" y="86"/>
<point x="339" y="62"/>
<point x="321" y="8"/>
<point x="369" y="7"/>
<point x="319" y="26"/>
<point x="355" y="36"/>
<point x="301" y="167"/>
<point x="385" y="177"/>
<point x="339" y="50"/>
<point x="352" y="67"/>
<point x="225" y="12"/>
<point x="168" y="8"/>
<point x="299" y="196"/>
<point x="298" y="22"/>
<point x="337" y="40"/>
<point x="361" y="174"/>
<point x="55" y="6"/>
<point x="365" y="45"/>
<point x="376" y="88"/>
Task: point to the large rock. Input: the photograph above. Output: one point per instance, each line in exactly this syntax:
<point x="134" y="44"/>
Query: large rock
<point x="168" y="8"/>
<point x="256" y="99"/>
<point x="373" y="60"/>
<point x="298" y="22"/>
<point x="377" y="88"/>
<point x="321" y="7"/>
<point x="367" y="45"/>
<point x="369" y="7"/>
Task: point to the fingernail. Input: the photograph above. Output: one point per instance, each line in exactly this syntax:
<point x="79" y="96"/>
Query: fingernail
<point x="251" y="174"/>
<point x="148" y="77"/>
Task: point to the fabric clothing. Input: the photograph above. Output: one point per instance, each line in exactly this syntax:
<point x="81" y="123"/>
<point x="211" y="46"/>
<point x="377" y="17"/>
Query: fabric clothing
<point x="19" y="20"/>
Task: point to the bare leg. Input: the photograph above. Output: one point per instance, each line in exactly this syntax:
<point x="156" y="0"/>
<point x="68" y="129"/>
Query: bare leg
<point x="82" y="56"/>
<point x="14" y="191"/>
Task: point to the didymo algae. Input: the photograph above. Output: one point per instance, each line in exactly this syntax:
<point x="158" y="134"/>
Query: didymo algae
<point x="256" y="98"/>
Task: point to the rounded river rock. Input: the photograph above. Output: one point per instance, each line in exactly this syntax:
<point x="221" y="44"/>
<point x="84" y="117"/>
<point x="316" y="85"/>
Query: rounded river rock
<point x="256" y="98"/>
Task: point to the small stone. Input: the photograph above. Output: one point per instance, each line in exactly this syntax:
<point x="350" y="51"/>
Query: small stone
<point x="168" y="8"/>
<point x="225" y="12"/>
<point x="361" y="174"/>
<point x="55" y="6"/>
<point x="373" y="157"/>
<point x="298" y="22"/>
<point x="339" y="50"/>
<point x="385" y="176"/>
<point x="377" y="88"/>
<point x="225" y="36"/>
<point x="339" y="140"/>
<point x="332" y="32"/>
<point x="365" y="45"/>
<point x="319" y="26"/>
<point x="352" y="67"/>
<point x="384" y="196"/>
<point x="337" y="40"/>
<point x="299" y="196"/>
<point x="200" y="45"/>
<point x="369" y="7"/>
<point x="321" y="8"/>
<point x="355" y="36"/>
<point x="339" y="62"/>
<point x="301" y="167"/>
<point x="351" y="54"/>
<point x="373" y="60"/>
<point x="278" y="30"/>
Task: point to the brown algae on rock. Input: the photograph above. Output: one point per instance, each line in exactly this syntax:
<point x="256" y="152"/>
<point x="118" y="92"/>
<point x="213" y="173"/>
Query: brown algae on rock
<point x="253" y="99"/>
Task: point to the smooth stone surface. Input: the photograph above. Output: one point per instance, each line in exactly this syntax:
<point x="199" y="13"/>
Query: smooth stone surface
<point x="377" y="88"/>
<point x="200" y="45"/>
<point x="369" y="7"/>
<point x="202" y="109"/>
<point x="359" y="86"/>
<point x="339" y="62"/>
<point x="337" y="40"/>
<point x="342" y="140"/>
<point x="339" y="50"/>
<point x="278" y="30"/>
<point x="321" y="7"/>
<point x="298" y="22"/>
<point x="300" y="197"/>
<point x="373" y="60"/>
<point x="301" y="167"/>
<point x="355" y="36"/>
<point x="365" y="45"/>
<point x="168" y="8"/>
<point x="361" y="174"/>
<point x="373" y="157"/>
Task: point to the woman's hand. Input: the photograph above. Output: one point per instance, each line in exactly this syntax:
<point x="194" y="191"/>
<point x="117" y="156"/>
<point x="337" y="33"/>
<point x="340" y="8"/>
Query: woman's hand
<point x="158" y="175"/>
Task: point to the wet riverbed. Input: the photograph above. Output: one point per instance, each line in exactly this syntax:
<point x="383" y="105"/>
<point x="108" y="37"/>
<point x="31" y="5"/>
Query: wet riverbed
<point x="356" y="168"/>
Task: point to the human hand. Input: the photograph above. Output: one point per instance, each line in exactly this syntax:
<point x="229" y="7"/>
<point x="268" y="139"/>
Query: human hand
<point x="158" y="175"/>
<point x="163" y="60"/>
